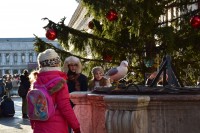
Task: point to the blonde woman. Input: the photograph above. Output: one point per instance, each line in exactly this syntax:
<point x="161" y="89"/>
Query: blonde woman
<point x="98" y="79"/>
<point x="76" y="80"/>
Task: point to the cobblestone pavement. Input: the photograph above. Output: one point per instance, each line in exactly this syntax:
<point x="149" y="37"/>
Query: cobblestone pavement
<point x="15" y="124"/>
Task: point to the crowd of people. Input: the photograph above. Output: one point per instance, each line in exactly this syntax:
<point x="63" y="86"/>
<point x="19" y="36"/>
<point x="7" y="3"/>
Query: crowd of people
<point x="9" y="84"/>
<point x="8" y="87"/>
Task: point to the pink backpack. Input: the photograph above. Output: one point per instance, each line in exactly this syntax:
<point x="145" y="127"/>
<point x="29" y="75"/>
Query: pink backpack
<point x="40" y="103"/>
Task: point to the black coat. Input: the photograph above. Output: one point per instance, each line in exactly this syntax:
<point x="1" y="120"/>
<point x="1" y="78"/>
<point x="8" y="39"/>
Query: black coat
<point x="83" y="81"/>
<point x="25" y="82"/>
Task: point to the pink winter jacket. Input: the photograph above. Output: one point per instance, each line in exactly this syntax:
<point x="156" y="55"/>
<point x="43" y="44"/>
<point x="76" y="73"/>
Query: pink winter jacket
<point x="64" y="113"/>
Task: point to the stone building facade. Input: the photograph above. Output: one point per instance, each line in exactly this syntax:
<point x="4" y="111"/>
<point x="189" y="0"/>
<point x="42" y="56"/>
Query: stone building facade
<point x="17" y="54"/>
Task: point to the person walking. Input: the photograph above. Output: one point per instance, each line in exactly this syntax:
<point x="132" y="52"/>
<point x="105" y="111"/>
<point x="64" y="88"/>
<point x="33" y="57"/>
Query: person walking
<point x="24" y="85"/>
<point x="49" y="68"/>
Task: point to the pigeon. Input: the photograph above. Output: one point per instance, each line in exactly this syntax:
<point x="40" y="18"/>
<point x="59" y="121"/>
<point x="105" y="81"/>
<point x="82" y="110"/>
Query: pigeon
<point x="117" y="73"/>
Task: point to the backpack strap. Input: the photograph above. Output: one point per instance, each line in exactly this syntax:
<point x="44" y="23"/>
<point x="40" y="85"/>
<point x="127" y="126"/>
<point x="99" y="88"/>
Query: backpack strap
<point x="54" y="89"/>
<point x="57" y="87"/>
<point x="54" y="79"/>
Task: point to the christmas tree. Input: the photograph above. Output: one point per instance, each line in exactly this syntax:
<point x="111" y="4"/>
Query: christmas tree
<point x="140" y="31"/>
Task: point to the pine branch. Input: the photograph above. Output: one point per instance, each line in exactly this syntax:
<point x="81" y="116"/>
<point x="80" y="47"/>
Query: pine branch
<point x="39" y="41"/>
<point x="77" y="32"/>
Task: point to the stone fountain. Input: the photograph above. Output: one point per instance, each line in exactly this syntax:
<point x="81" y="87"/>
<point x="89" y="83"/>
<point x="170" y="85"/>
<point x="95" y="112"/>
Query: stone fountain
<point x="170" y="108"/>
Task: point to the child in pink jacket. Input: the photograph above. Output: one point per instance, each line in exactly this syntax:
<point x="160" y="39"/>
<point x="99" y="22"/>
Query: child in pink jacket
<point x="49" y="63"/>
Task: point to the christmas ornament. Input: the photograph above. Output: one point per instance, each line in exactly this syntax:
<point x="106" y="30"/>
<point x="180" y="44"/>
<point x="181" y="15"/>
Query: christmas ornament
<point x="107" y="58"/>
<point x="51" y="34"/>
<point x="91" y="24"/>
<point x="112" y="15"/>
<point x="195" y="21"/>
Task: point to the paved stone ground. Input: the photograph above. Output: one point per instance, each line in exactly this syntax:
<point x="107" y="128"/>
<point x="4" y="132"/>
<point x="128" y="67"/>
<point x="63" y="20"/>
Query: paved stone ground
<point x="15" y="124"/>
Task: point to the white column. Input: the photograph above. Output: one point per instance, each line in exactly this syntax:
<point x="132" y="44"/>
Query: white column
<point x="27" y="57"/>
<point x="3" y="71"/>
<point x="19" y="72"/>
<point x="3" y="58"/>
<point x="34" y="57"/>
<point x="11" y="58"/>
<point x="11" y="71"/>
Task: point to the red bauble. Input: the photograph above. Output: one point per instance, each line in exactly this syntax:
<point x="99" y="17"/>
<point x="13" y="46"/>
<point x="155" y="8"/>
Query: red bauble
<point x="91" y="24"/>
<point x="107" y="58"/>
<point x="112" y="15"/>
<point x="51" y="34"/>
<point x="195" y="21"/>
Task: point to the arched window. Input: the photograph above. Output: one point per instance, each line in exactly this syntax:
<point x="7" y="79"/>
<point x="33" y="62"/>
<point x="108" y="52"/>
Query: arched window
<point x="15" y="71"/>
<point x="23" y="57"/>
<point x="7" y="71"/>
<point x="15" y="58"/>
<point x="30" y="57"/>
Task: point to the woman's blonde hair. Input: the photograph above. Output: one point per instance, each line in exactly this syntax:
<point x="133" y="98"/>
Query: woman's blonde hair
<point x="72" y="60"/>
<point x="96" y="69"/>
<point x="33" y="76"/>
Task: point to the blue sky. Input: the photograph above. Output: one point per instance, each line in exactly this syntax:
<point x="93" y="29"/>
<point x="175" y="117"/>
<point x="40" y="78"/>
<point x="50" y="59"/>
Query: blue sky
<point x="22" y="18"/>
